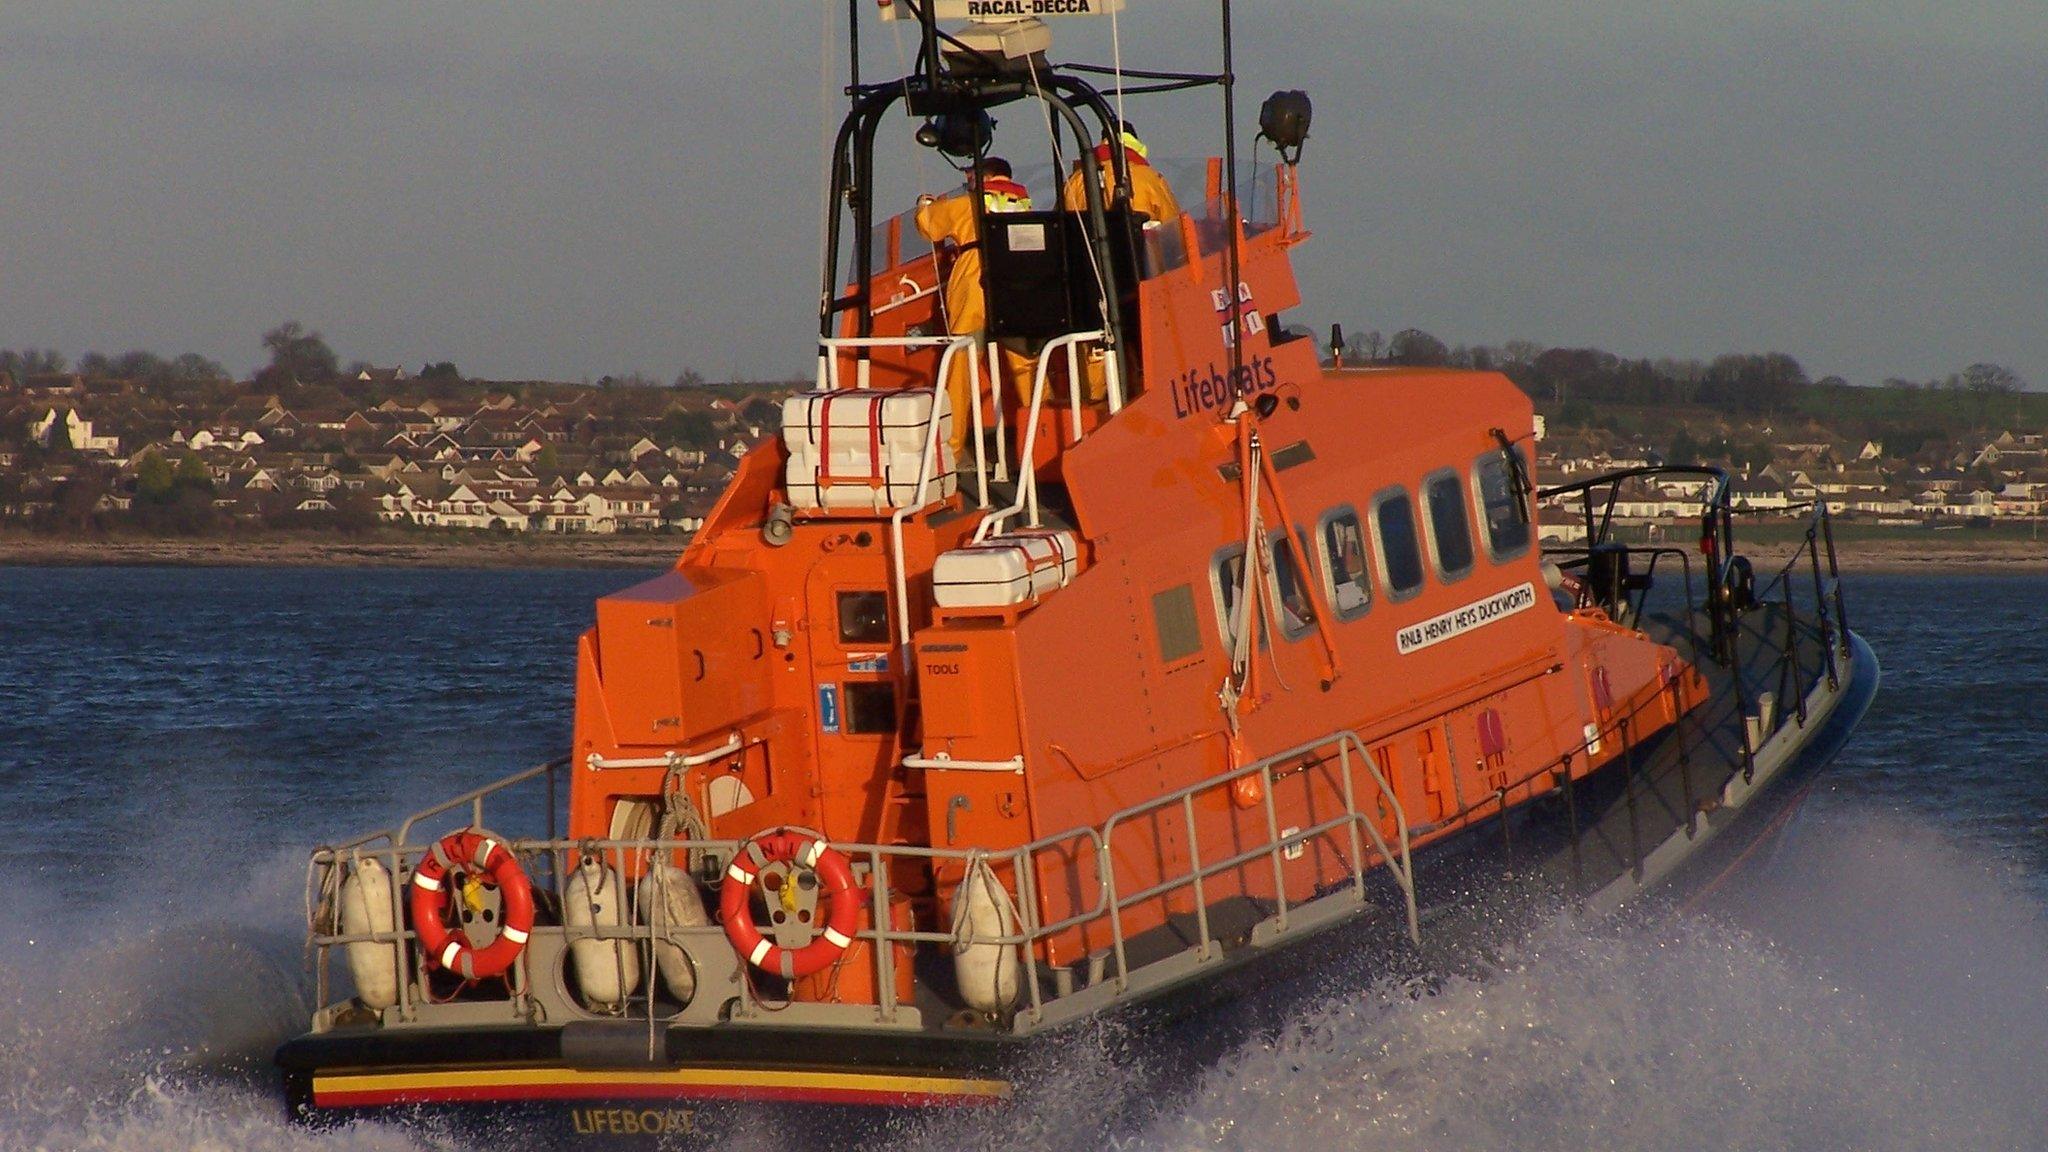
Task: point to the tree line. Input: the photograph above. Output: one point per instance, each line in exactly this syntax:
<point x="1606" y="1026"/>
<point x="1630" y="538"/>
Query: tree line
<point x="143" y="366"/>
<point x="297" y="355"/>
<point x="1574" y="379"/>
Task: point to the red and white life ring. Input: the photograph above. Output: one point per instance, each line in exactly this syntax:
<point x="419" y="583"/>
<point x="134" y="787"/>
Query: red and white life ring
<point x="432" y="884"/>
<point x="838" y="896"/>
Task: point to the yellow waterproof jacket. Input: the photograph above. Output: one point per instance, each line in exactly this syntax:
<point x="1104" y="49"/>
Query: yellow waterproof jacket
<point x="1150" y="193"/>
<point x="951" y="218"/>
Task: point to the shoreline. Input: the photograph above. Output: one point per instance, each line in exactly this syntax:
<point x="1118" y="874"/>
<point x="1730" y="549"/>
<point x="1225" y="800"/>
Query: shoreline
<point x="1929" y="556"/>
<point x="594" y="552"/>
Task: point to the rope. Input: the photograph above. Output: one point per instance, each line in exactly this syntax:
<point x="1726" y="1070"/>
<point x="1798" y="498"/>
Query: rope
<point x="657" y="931"/>
<point x="325" y="914"/>
<point x="1246" y="609"/>
<point x="1272" y="610"/>
<point x="680" y="820"/>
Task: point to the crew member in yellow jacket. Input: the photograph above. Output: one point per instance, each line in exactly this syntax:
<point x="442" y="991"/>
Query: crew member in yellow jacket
<point x="1150" y="193"/>
<point x="949" y="222"/>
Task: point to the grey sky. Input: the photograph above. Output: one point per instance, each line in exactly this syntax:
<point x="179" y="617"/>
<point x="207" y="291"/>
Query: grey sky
<point x="563" y="190"/>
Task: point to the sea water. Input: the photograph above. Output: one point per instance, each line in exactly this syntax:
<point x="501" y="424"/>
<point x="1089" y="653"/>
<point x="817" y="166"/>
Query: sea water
<point x="172" y="742"/>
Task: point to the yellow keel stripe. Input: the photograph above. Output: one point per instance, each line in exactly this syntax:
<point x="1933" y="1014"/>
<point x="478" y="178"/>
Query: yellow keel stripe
<point x="674" y="1078"/>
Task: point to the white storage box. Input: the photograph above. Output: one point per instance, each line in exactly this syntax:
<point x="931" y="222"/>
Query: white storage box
<point x="1006" y="569"/>
<point x="860" y="448"/>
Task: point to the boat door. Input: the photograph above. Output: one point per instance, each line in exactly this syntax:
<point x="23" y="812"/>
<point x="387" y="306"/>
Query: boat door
<point x="858" y="702"/>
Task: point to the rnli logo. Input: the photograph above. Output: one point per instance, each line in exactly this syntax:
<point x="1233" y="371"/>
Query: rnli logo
<point x="1243" y="316"/>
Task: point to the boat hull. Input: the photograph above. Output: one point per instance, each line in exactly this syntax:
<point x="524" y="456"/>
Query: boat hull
<point x="1749" y="842"/>
<point x="554" y="1106"/>
<point x="685" y="1087"/>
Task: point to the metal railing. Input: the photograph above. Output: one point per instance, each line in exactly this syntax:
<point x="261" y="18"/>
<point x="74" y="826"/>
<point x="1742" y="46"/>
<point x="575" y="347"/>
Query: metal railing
<point x="1596" y="499"/>
<point x="1731" y="592"/>
<point x="1101" y="902"/>
<point x="1813" y="559"/>
<point x="1027" y="473"/>
<point x="830" y="378"/>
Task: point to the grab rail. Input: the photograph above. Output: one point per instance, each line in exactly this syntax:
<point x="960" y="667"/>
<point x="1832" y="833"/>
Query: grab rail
<point x="1725" y="614"/>
<point x="1716" y="522"/>
<point x="671" y="760"/>
<point x="1098" y="900"/>
<point x="1027" y="473"/>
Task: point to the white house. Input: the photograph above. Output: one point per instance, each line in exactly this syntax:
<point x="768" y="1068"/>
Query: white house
<point x="77" y="433"/>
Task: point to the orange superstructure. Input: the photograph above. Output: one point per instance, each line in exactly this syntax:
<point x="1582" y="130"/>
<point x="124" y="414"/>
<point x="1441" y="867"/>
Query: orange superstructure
<point x="1106" y="691"/>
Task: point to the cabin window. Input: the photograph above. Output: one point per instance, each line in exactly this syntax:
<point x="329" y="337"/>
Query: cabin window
<point x="1400" y="550"/>
<point x="1501" y="508"/>
<point x="863" y="617"/>
<point x="1450" y="536"/>
<point x="1296" y="613"/>
<point x="1173" y="616"/>
<point x="1342" y="542"/>
<point x="870" y="707"/>
<point x="1227" y="574"/>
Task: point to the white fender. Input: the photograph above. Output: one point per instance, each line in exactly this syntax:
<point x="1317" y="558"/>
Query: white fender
<point x="607" y="971"/>
<point x="989" y="973"/>
<point x="366" y="907"/>
<point x="668" y="899"/>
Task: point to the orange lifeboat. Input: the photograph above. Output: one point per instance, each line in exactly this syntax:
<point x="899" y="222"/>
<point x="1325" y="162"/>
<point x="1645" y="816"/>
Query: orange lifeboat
<point x="1091" y="661"/>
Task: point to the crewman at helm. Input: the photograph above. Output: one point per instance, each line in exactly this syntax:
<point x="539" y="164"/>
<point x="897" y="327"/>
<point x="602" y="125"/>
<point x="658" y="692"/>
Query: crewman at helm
<point x="1150" y="194"/>
<point x="950" y="223"/>
<point x="1149" y="191"/>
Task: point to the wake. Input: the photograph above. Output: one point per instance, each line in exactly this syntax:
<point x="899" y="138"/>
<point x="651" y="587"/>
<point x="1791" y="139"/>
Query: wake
<point x="1875" y="987"/>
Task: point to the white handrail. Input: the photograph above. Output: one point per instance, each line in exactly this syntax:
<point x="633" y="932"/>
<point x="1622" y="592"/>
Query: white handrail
<point x="888" y="341"/>
<point x="924" y="479"/>
<point x="830" y="346"/>
<point x="980" y="453"/>
<point x="1359" y="815"/>
<point x="669" y="759"/>
<point x="899" y="301"/>
<point x="1014" y="764"/>
<point x="1074" y="390"/>
<point x="1027" y="472"/>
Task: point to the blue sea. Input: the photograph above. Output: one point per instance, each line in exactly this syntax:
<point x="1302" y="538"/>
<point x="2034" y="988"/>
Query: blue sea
<point x="174" y="741"/>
